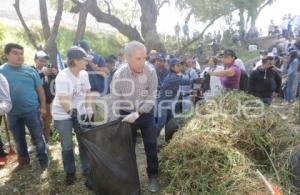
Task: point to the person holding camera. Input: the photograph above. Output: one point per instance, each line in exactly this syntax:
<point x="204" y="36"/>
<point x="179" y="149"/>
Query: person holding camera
<point x="47" y="74"/>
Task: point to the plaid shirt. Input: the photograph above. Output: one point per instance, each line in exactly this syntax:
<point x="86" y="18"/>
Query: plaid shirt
<point x="134" y="92"/>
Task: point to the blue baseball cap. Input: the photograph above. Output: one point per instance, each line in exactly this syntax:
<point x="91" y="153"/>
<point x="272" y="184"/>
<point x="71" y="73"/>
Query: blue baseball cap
<point x="84" y="45"/>
<point x="174" y="61"/>
<point x="77" y="53"/>
<point x="161" y="56"/>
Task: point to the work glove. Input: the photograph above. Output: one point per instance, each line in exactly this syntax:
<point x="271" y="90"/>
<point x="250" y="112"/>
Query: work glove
<point x="131" y="118"/>
<point x="89" y="114"/>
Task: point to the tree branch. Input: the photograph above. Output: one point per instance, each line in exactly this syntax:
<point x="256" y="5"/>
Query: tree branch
<point x="183" y="48"/>
<point x="44" y="19"/>
<point x="188" y="17"/>
<point x="27" y="30"/>
<point x="100" y="16"/>
<point x="81" y="23"/>
<point x="56" y="24"/>
<point x="162" y="4"/>
<point x="108" y="7"/>
<point x="263" y="6"/>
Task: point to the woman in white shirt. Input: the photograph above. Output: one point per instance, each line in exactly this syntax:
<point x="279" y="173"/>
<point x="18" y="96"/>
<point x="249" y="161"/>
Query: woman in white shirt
<point x="215" y="82"/>
<point x="72" y="99"/>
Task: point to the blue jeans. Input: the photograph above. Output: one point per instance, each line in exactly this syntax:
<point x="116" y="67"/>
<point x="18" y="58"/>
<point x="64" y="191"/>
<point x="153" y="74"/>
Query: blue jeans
<point x="65" y="128"/>
<point x="163" y="118"/>
<point x="291" y="89"/>
<point x="33" y="122"/>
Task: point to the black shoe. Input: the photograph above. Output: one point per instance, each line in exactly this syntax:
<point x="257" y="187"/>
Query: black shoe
<point x="88" y="184"/>
<point x="44" y="166"/>
<point x="70" y="179"/>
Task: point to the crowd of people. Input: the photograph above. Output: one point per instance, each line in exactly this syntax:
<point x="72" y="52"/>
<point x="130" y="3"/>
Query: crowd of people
<point x="146" y="91"/>
<point x="290" y="26"/>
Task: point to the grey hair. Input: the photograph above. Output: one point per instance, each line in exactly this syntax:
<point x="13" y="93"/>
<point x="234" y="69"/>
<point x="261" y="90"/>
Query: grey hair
<point x="131" y="46"/>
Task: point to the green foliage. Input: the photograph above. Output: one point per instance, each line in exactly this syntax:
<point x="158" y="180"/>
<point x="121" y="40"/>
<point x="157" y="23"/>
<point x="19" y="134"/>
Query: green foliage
<point x="101" y="43"/>
<point x="104" y="44"/>
<point x="67" y="5"/>
<point x="205" y="10"/>
<point x="3" y="30"/>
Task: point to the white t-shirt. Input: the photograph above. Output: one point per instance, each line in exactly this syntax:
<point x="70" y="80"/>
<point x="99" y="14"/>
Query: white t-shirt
<point x="240" y="64"/>
<point x="75" y="88"/>
<point x="216" y="86"/>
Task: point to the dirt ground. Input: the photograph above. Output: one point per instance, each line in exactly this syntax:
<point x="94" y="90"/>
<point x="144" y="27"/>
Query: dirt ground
<point x="30" y="181"/>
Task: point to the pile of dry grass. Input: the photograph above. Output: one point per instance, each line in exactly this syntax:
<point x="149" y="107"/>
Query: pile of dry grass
<point x="219" y="149"/>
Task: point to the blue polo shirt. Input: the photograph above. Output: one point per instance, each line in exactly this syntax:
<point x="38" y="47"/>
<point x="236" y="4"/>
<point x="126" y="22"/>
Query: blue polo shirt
<point x="23" y="82"/>
<point x="97" y="82"/>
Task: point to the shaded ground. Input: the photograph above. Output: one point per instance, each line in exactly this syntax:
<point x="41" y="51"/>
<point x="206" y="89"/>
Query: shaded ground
<point x="31" y="181"/>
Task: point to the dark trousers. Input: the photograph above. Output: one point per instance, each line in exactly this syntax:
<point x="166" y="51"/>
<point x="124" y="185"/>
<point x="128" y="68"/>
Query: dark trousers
<point x="146" y="124"/>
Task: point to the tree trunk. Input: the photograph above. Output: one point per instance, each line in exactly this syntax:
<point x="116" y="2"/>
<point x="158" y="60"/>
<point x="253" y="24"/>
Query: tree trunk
<point x="148" y="21"/>
<point x="50" y="45"/>
<point x="27" y="30"/>
<point x="242" y="21"/>
<point x="125" y="29"/>
<point x="81" y="23"/>
<point x="44" y="19"/>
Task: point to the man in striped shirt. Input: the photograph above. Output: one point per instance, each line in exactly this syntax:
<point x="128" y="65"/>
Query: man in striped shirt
<point x="134" y="89"/>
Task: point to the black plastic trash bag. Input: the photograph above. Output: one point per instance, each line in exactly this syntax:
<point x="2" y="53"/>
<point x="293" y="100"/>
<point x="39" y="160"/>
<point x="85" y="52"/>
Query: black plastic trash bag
<point x="295" y="169"/>
<point x="113" y="167"/>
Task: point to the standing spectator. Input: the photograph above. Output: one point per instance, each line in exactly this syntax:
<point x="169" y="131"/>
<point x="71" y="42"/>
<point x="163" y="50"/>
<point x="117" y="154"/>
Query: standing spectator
<point x="265" y="82"/>
<point x="120" y="61"/>
<point x="170" y="93"/>
<point x="271" y="28"/>
<point x="152" y="57"/>
<point x="214" y="82"/>
<point x="278" y="65"/>
<point x="5" y="107"/>
<point x="161" y="69"/>
<point x="186" y="31"/>
<point x="263" y="54"/>
<point x="97" y="71"/>
<point x="292" y="82"/>
<point x="98" y="77"/>
<point x="72" y="99"/>
<point x="196" y="66"/>
<point x="215" y="47"/>
<point x="29" y="103"/>
<point x="187" y="91"/>
<point x="110" y="63"/>
<point x="134" y="89"/>
<point x="240" y="64"/>
<point x="47" y="74"/>
<point x="285" y="26"/>
<point x="230" y="76"/>
<point x="200" y="51"/>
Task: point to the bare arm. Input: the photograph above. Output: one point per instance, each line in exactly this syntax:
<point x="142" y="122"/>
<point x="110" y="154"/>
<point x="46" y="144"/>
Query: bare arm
<point x="64" y="102"/>
<point x="42" y="98"/>
<point x="223" y="73"/>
